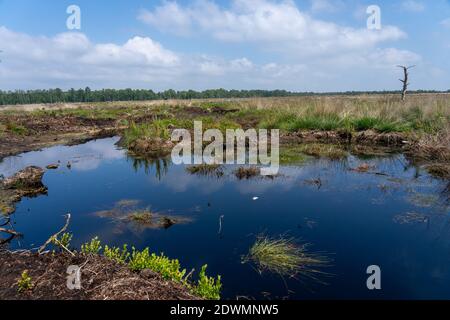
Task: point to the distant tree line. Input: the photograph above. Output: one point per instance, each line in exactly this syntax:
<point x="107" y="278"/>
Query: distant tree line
<point x="105" y="95"/>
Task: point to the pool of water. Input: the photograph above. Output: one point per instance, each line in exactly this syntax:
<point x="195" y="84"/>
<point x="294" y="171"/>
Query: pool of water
<point x="354" y="219"/>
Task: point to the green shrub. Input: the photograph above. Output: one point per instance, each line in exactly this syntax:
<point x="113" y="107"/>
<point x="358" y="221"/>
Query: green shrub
<point x="92" y="247"/>
<point x="65" y="240"/>
<point x="25" y="282"/>
<point x="169" y="269"/>
<point x="207" y="287"/>
<point x="117" y="254"/>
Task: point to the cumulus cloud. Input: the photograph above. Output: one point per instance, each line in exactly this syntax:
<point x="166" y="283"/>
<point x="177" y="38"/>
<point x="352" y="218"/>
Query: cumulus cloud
<point x="303" y="53"/>
<point x="138" y="50"/>
<point x="272" y="24"/>
<point x="72" y="60"/>
<point x="77" y="48"/>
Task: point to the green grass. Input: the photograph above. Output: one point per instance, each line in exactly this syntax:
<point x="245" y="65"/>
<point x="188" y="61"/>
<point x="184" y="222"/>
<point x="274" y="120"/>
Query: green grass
<point x="291" y="155"/>
<point x="205" y="169"/>
<point x="330" y="122"/>
<point x="162" y="128"/>
<point x="209" y="105"/>
<point x="380" y="125"/>
<point x="87" y="113"/>
<point x="319" y="150"/>
<point x="16" y="129"/>
<point x="155" y="129"/>
<point x="282" y="256"/>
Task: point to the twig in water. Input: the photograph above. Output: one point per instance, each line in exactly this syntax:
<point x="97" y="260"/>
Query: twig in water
<point x="220" y="224"/>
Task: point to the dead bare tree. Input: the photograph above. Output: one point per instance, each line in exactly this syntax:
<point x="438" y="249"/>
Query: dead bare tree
<point x="405" y="80"/>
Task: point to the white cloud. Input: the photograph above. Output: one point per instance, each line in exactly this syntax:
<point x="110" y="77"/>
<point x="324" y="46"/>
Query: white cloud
<point x="72" y="60"/>
<point x="303" y="53"/>
<point x="169" y="16"/>
<point x="413" y="6"/>
<point x="138" y="50"/>
<point x="274" y="25"/>
<point x="76" y="48"/>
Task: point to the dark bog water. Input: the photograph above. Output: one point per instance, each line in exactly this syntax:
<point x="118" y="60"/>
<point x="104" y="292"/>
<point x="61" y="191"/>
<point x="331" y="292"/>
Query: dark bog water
<point x="355" y="219"/>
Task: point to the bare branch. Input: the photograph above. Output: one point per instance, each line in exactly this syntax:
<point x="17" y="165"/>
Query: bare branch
<point x="405" y="80"/>
<point x="55" y="236"/>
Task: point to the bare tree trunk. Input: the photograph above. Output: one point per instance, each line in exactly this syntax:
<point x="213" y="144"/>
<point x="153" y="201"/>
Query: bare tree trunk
<point x="405" y="80"/>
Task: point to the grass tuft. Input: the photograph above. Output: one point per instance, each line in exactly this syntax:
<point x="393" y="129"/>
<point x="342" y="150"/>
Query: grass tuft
<point x="283" y="256"/>
<point x="247" y="172"/>
<point x="206" y="170"/>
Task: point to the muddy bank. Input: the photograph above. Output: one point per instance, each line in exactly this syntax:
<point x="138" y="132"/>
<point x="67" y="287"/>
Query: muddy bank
<point x="101" y="279"/>
<point x="13" y="145"/>
<point x="25" y="183"/>
<point x="344" y="137"/>
<point x="22" y="131"/>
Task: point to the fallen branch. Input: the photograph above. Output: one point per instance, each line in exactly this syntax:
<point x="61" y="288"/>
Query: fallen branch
<point x="11" y="232"/>
<point x="55" y="236"/>
<point x="63" y="246"/>
<point x="12" y="235"/>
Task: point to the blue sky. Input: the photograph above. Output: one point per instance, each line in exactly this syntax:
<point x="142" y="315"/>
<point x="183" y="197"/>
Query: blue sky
<point x="304" y="45"/>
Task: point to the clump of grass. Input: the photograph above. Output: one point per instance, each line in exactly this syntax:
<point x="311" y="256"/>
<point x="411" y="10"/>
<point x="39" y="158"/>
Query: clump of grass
<point x="25" y="282"/>
<point x="291" y="155"/>
<point x="247" y="172"/>
<point x="141" y="217"/>
<point x="205" y="169"/>
<point x="221" y="123"/>
<point x="211" y="105"/>
<point x="153" y="130"/>
<point x="16" y="128"/>
<point x="379" y="124"/>
<point x="284" y="257"/>
<point x="319" y="150"/>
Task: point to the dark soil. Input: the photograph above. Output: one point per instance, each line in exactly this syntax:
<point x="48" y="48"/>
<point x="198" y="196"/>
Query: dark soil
<point x="25" y="183"/>
<point x="341" y="137"/>
<point x="101" y="279"/>
<point x="44" y="131"/>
